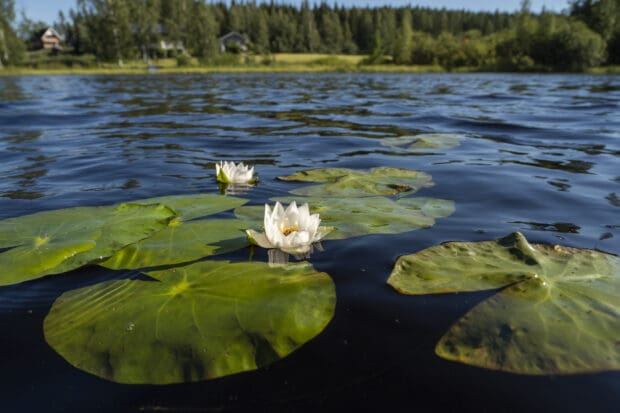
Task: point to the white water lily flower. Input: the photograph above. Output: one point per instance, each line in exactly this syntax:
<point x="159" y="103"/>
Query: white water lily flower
<point x="229" y="173"/>
<point x="292" y="230"/>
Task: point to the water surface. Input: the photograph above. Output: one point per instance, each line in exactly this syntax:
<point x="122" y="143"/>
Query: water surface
<point x="540" y="154"/>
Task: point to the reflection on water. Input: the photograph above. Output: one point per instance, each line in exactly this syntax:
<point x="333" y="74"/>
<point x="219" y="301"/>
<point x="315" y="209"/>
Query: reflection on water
<point x="614" y="199"/>
<point x="236" y="189"/>
<point x="538" y="154"/>
<point x="557" y="226"/>
<point x="278" y="257"/>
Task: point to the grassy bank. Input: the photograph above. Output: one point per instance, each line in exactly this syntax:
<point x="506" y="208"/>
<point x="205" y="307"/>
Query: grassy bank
<point x="275" y="63"/>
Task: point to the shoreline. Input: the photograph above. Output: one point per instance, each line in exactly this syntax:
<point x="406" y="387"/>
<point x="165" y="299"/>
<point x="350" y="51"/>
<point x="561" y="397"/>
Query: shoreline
<point x="272" y="64"/>
<point x="276" y="63"/>
<point x="12" y="71"/>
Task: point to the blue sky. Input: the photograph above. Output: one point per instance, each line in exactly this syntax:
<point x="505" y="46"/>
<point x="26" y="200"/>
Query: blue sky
<point x="47" y="11"/>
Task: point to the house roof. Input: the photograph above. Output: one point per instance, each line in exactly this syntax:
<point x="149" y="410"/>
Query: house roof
<point x="233" y="37"/>
<point x="52" y="32"/>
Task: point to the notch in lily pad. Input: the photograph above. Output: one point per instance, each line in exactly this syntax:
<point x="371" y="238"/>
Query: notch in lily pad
<point x="202" y="321"/>
<point x="186" y="238"/>
<point x="557" y="310"/>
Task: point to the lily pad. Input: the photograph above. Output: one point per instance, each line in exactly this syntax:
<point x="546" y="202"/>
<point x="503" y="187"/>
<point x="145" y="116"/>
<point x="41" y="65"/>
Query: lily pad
<point x="196" y="205"/>
<point x="53" y="242"/>
<point x="181" y="242"/>
<point x="424" y="141"/>
<point x="342" y="182"/>
<point x="559" y="312"/>
<point x="353" y="217"/>
<point x="198" y="322"/>
<point x="186" y="239"/>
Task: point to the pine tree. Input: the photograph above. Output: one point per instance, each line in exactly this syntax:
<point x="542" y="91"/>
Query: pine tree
<point x="203" y="31"/>
<point x="310" y="40"/>
<point x="11" y="47"/>
<point x="404" y="39"/>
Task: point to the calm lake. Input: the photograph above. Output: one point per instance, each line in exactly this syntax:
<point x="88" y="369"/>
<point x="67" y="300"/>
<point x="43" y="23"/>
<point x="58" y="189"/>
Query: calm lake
<point x="538" y="154"/>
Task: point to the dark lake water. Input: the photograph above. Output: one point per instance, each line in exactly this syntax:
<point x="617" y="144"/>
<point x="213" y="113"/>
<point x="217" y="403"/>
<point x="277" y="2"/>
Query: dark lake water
<point x="540" y="154"/>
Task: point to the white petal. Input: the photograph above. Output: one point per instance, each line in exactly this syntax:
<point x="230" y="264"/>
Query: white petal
<point x="301" y="249"/>
<point x="240" y="173"/>
<point x="267" y="215"/>
<point x="258" y="238"/>
<point x="278" y="212"/>
<point x="298" y="238"/>
<point x="304" y="210"/>
<point x="274" y="235"/>
<point x="313" y="222"/>
<point x="322" y="232"/>
<point x="304" y="214"/>
<point x="291" y="216"/>
<point x="292" y="208"/>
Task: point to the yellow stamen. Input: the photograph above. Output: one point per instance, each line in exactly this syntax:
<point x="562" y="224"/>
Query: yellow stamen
<point x="288" y="230"/>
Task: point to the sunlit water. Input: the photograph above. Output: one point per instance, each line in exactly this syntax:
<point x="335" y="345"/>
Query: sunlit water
<point x="541" y="155"/>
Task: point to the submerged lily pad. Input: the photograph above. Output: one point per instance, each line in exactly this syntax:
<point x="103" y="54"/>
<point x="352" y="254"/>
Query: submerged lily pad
<point x="53" y="242"/>
<point x="559" y="312"/>
<point x="424" y="141"/>
<point x="343" y="182"/>
<point x="352" y="217"/>
<point x="198" y="322"/>
<point x="185" y="241"/>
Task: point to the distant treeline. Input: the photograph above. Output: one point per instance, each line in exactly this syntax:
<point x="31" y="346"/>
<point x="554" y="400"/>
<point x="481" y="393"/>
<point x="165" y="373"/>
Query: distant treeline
<point x="115" y="30"/>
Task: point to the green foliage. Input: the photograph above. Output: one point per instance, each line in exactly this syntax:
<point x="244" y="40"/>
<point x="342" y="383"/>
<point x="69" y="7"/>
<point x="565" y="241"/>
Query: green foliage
<point x="224" y="59"/>
<point x="557" y="311"/>
<point x="11" y="47"/>
<point x="53" y="242"/>
<point x="44" y="59"/>
<point x="404" y="41"/>
<point x="197" y="322"/>
<point x="203" y="28"/>
<point x="124" y="29"/>
<point x="186" y="238"/>
<point x="347" y="202"/>
<point x="423" y="49"/>
<point x="355" y="217"/>
<point x="334" y="63"/>
<point x="339" y="182"/>
<point x="574" y="47"/>
<point x="602" y="16"/>
<point x="377" y="52"/>
<point x="184" y="60"/>
<point x="613" y="48"/>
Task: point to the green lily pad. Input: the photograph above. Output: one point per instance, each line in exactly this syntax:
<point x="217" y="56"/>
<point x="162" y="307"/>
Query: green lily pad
<point x="559" y="312"/>
<point x="53" y="242"/>
<point x="196" y="205"/>
<point x="342" y="182"/>
<point x="353" y="217"/>
<point x="181" y="242"/>
<point x="198" y="322"/>
<point x="185" y="239"/>
<point x="424" y="141"/>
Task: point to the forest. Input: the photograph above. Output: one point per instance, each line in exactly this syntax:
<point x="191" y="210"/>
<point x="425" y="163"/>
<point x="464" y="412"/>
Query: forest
<point x="586" y="35"/>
